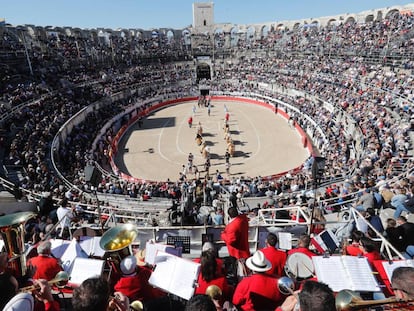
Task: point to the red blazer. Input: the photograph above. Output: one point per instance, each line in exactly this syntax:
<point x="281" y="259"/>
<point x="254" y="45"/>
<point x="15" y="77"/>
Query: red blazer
<point x="46" y="267"/>
<point x="236" y="237"/>
<point x="221" y="282"/>
<point x="259" y="283"/>
<point x="136" y="287"/>
<point x="277" y="258"/>
<point x="303" y="250"/>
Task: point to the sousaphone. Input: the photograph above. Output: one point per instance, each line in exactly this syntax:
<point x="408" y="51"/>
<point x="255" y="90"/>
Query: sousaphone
<point x="12" y="232"/>
<point x="119" y="237"/>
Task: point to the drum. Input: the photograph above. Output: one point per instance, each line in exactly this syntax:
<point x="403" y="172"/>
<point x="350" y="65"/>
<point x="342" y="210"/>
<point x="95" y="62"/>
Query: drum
<point x="299" y="266"/>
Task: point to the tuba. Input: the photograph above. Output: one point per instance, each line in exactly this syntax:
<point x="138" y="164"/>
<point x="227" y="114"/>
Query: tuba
<point x="119" y="237"/>
<point x="12" y="232"/>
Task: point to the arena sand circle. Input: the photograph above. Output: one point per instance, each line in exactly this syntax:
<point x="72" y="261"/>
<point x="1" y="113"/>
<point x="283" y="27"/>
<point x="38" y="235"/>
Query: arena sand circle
<point x="265" y="143"/>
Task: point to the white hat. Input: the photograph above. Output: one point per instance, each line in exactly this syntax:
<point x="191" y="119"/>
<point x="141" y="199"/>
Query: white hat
<point x="258" y="262"/>
<point x="20" y="302"/>
<point x="128" y="265"/>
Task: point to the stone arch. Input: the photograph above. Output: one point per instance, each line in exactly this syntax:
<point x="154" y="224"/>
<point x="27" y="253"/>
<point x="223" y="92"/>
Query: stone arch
<point x="392" y="13"/>
<point x="369" y="18"/>
<point x="250" y="33"/>
<point x="264" y="31"/>
<point x="234" y="36"/>
<point x="186" y="36"/>
<point x="350" y="20"/>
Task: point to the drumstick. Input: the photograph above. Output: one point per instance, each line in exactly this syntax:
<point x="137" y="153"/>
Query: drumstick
<point x="309" y="270"/>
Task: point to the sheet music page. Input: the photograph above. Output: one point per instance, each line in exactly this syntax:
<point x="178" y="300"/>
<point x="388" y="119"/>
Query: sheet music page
<point x="175" y="275"/>
<point x="151" y="250"/>
<point x="331" y="271"/>
<point x="85" y="268"/>
<point x="285" y="240"/>
<point x="360" y="273"/>
<point x="389" y="267"/>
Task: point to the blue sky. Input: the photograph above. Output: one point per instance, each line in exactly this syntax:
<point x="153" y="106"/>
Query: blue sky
<point x="148" y="14"/>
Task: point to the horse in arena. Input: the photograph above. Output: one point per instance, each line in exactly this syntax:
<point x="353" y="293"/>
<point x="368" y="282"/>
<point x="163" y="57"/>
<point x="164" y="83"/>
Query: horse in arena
<point x="231" y="148"/>
<point x="205" y="150"/>
<point x="199" y="129"/>
<point x="199" y="139"/>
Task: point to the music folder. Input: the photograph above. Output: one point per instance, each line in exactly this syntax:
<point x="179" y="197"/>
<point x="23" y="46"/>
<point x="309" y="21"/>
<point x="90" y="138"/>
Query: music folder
<point x="175" y="275"/>
<point x="345" y="272"/>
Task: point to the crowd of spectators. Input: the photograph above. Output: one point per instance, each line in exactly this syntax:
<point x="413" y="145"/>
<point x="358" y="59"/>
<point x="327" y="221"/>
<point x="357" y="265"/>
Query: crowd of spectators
<point x="365" y="135"/>
<point x="354" y="86"/>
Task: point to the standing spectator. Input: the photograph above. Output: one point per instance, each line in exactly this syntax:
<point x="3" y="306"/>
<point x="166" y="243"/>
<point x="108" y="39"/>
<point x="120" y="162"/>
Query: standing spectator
<point x="276" y="257"/>
<point x="65" y="216"/>
<point x="46" y="266"/>
<point x="190" y="122"/>
<point x="258" y="289"/>
<point x="236" y="234"/>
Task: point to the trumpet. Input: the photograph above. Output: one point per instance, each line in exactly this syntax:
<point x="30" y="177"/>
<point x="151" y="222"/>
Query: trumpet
<point x="349" y="300"/>
<point x="61" y="279"/>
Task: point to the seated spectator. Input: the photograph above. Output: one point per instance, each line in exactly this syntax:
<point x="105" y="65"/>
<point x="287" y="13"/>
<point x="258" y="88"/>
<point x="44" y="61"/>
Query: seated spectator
<point x="394" y="234"/>
<point x="375" y="221"/>
<point x="276" y="257"/>
<point x="259" y="288"/>
<point x="314" y="296"/>
<point x="407" y="235"/>
<point x="46" y="266"/>
<point x="303" y="246"/>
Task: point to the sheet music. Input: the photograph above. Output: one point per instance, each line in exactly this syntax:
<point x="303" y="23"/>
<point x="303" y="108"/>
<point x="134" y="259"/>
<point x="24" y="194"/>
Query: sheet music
<point x="345" y="272"/>
<point x="151" y="250"/>
<point x="331" y="271"/>
<point x="285" y="240"/>
<point x="389" y="267"/>
<point x="85" y="268"/>
<point x="90" y="245"/>
<point x="175" y="275"/>
<point x="360" y="273"/>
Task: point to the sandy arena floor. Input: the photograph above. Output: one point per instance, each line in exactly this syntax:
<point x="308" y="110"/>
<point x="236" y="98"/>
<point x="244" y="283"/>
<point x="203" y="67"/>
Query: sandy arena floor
<point x="265" y="144"/>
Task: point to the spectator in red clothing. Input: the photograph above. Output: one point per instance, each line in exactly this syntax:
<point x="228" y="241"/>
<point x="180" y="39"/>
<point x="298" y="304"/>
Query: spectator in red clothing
<point x="209" y="276"/>
<point x="236" y="234"/>
<point x="190" y="122"/>
<point x="276" y="257"/>
<point x="46" y="266"/>
<point x="259" y="290"/>
<point x="369" y="250"/>
<point x="303" y="246"/>
<point x="134" y="281"/>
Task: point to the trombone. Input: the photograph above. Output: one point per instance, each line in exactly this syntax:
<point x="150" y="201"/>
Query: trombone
<point x="61" y="279"/>
<point x="349" y="300"/>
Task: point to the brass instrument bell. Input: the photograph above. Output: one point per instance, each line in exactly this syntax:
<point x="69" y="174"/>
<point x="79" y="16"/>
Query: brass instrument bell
<point x="118" y="237"/>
